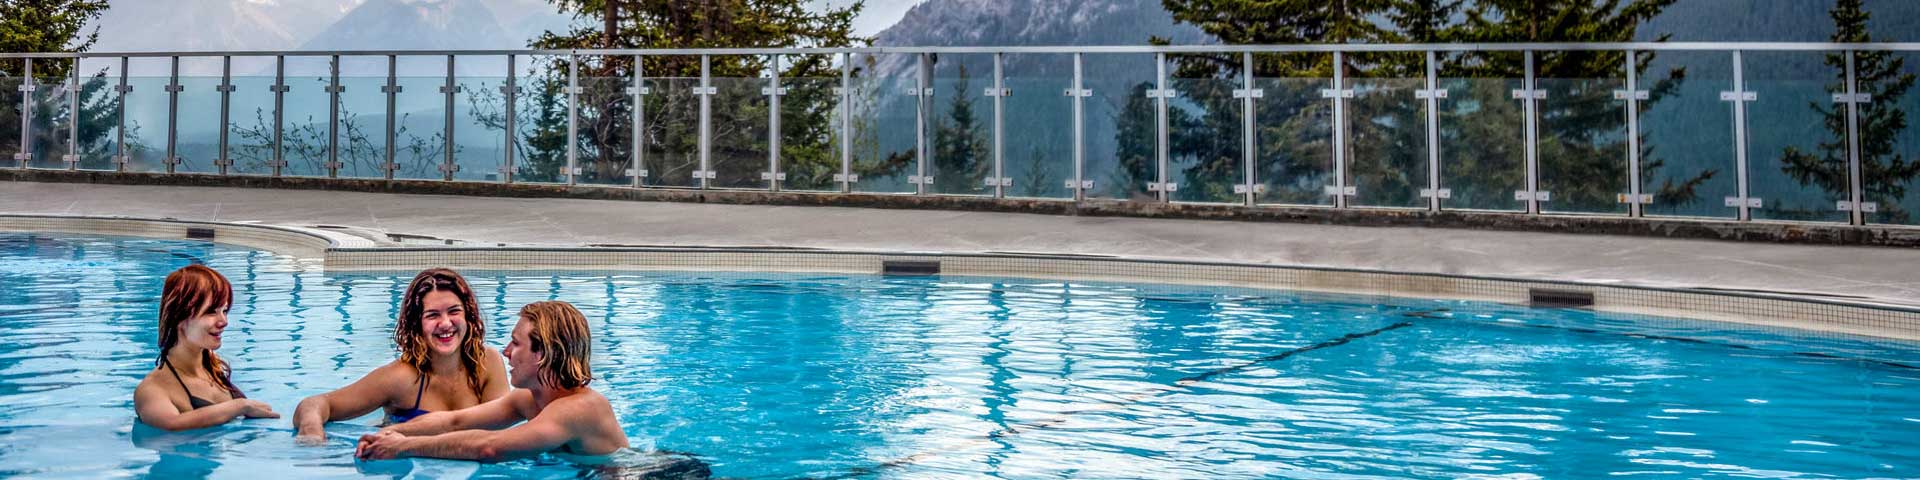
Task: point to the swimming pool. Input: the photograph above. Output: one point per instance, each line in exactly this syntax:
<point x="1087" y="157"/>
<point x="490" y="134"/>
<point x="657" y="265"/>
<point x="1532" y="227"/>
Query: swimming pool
<point x="785" y="375"/>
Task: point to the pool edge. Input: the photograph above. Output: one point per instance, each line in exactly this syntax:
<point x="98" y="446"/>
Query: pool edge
<point x="337" y="251"/>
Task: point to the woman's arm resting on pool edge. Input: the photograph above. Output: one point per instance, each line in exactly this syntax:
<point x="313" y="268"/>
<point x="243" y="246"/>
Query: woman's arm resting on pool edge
<point x="153" y="408"/>
<point x="543" y="434"/>
<point x="353" y="400"/>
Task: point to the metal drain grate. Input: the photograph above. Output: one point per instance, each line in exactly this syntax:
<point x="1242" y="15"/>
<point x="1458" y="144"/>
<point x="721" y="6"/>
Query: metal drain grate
<point x="918" y="268"/>
<point x="1553" y="298"/>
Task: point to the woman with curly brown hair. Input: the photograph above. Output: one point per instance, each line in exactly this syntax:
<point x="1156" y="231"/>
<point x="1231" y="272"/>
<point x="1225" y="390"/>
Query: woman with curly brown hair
<point x="193" y="315"/>
<point x="443" y="363"/>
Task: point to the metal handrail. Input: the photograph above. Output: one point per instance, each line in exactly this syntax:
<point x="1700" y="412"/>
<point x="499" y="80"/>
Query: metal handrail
<point x="1247" y="189"/>
<point x="1300" y="48"/>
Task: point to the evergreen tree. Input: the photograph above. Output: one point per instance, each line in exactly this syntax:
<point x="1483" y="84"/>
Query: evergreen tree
<point x="961" y="148"/>
<point x="28" y="26"/>
<point x="808" y="109"/>
<point x="1884" y="171"/>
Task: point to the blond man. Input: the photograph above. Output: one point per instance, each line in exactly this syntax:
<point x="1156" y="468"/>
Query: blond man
<point x="547" y="362"/>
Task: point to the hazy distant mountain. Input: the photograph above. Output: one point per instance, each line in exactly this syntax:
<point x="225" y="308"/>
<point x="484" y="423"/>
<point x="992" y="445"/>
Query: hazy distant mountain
<point x="1037" y="22"/>
<point x="395" y="24"/>
<point x="1776" y="21"/>
<point x="225" y="25"/>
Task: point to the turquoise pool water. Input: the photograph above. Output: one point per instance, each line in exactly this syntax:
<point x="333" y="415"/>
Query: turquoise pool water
<point x="785" y="376"/>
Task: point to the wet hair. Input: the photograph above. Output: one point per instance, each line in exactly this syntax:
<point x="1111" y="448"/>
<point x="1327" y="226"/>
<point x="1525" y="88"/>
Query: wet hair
<point x="559" y="333"/>
<point x="189" y="292"/>
<point x="410" y="334"/>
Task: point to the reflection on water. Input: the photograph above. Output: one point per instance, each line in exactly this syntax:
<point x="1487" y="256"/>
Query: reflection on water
<point x="784" y="375"/>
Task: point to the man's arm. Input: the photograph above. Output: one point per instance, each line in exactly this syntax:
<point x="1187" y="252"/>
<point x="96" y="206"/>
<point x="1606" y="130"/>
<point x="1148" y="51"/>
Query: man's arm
<point x="498" y="413"/>
<point x="544" y="433"/>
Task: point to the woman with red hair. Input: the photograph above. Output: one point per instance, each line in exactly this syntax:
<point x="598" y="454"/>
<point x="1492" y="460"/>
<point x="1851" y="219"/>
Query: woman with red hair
<point x="191" y="387"/>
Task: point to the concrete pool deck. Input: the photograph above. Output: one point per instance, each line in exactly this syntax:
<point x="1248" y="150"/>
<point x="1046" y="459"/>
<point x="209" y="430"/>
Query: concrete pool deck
<point x="1886" y="275"/>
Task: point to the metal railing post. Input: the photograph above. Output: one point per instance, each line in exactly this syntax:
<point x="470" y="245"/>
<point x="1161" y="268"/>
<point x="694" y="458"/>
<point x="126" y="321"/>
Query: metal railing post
<point x="846" y="123"/>
<point x="573" y="119"/>
<point x="173" y="116"/>
<point x="1740" y="137"/>
<point x="1160" y="147"/>
<point x="1079" y="185"/>
<point x="510" y="91"/>
<point x="637" y="171"/>
<point x="333" y="118"/>
<point x="773" y="125"/>
<point x="73" y="118"/>
<point x="450" y="165"/>
<point x="1434" y="191"/>
<point x="1637" y="199"/>
<point x="393" y="91"/>
<point x="920" y="102"/>
<point x="120" y="153"/>
<point x="1339" y="96"/>
<point x="1248" y="144"/>
<point x="225" y="162"/>
<point x="706" y="173"/>
<point x="1855" y="180"/>
<point x="279" y="114"/>
<point x="1532" y="108"/>
<point x="1000" y="180"/>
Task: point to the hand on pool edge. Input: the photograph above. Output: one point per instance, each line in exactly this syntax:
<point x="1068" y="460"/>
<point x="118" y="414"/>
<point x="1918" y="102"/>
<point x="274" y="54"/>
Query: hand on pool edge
<point x="381" y="445"/>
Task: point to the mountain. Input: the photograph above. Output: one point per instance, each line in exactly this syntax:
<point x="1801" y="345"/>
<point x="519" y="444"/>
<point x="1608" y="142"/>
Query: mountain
<point x="1037" y="22"/>
<point x="225" y="25"/>
<point x="420" y="25"/>
<point x="947" y="23"/>
<point x="1776" y="21"/>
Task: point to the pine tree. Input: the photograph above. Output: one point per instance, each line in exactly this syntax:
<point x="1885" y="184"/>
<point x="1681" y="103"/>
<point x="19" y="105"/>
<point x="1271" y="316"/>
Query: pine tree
<point x="28" y="26"/>
<point x="1885" y="172"/>
<point x="808" y="119"/>
<point x="960" y="143"/>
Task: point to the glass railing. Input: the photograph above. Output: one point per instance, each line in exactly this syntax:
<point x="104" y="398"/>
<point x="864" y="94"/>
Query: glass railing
<point x="1821" y="133"/>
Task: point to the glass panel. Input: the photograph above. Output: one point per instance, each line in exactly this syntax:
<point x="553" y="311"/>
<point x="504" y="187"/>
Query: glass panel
<point x="1038" y="124"/>
<point x="100" y="117"/>
<point x="363" y="117"/>
<point x="9" y="111"/>
<point x="960" y="124"/>
<point x="810" y="122"/>
<point x="1583" y="132"/>
<point x="540" y="154"/>
<point x="479" y="118"/>
<point x="1890" y="135"/>
<point x="1687" y="159"/>
<point x="741" y="115"/>
<point x="1293" y="135"/>
<point x="1121" y="125"/>
<point x="672" y="121"/>
<point x="146" y="114"/>
<point x="197" y="134"/>
<point x="1483" y="154"/>
<point x="1386" y="129"/>
<point x="885" y="117"/>
<point x="250" y="118"/>
<point x="419" y="134"/>
<point x="1205" y="127"/>
<point x="306" y="138"/>
<point x="52" y="114"/>
<point x="605" y="135"/>
<point x="1797" y="136"/>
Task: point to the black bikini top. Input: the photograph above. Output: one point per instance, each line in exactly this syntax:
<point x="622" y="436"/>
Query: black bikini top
<point x="194" y="402"/>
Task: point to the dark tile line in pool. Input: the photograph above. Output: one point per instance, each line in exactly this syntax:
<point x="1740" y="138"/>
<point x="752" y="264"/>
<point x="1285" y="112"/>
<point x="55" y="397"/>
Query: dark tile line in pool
<point x="1646" y="336"/>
